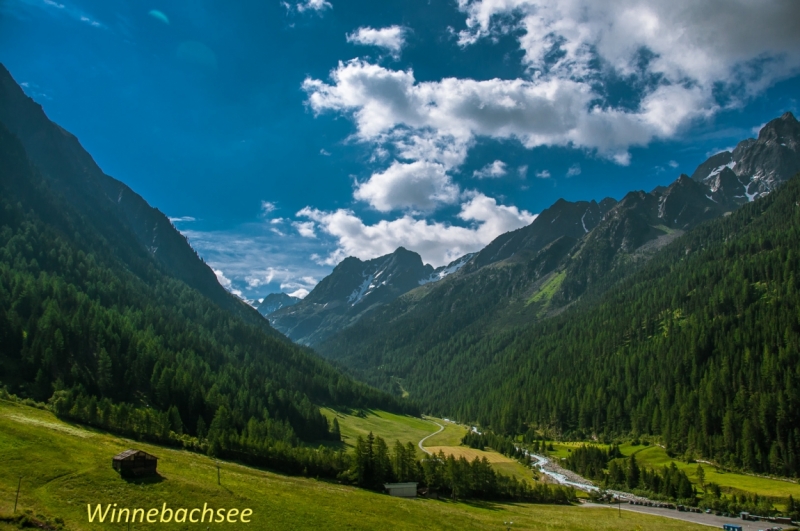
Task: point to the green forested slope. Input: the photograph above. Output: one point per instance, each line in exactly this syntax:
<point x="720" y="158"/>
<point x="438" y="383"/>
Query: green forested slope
<point x="100" y="327"/>
<point x="701" y="346"/>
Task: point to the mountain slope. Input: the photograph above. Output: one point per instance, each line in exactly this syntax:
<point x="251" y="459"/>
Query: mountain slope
<point x="111" y="207"/>
<point x="91" y="320"/>
<point x="353" y="289"/>
<point x="274" y="302"/>
<point x="700" y="347"/>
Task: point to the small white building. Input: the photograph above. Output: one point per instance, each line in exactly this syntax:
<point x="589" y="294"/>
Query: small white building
<point x="401" y="490"/>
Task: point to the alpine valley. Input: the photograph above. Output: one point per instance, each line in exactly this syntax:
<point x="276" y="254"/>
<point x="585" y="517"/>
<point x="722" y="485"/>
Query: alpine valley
<point x="664" y="322"/>
<point x="670" y="313"/>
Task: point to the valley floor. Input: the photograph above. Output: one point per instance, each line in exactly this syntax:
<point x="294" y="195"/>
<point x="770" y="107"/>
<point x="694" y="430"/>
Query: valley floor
<point x="64" y="467"/>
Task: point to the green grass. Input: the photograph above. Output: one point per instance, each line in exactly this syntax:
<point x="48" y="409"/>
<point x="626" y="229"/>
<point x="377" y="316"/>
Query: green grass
<point x="549" y="288"/>
<point x="563" y="449"/>
<point x="66" y="467"/>
<point x="654" y="456"/>
<point x="450" y="436"/>
<point x="389" y="426"/>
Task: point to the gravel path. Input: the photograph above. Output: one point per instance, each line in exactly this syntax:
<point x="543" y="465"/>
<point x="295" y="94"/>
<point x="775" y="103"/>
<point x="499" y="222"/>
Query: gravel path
<point x="429" y="436"/>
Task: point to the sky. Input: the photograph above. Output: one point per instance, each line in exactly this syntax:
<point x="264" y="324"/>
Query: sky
<point x="282" y="136"/>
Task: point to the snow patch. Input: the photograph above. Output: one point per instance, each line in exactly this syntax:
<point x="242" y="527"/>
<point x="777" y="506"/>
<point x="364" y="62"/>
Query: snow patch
<point x="449" y="269"/>
<point x="361" y="291"/>
<point x="583" y="222"/>
<point x="716" y="171"/>
<point x="750" y="197"/>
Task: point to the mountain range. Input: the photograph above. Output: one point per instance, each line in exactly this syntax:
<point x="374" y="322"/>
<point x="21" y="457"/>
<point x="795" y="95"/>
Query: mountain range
<point x="569" y="250"/>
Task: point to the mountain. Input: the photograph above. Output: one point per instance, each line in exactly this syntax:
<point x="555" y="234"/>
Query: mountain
<point x="756" y="166"/>
<point x="121" y="215"/>
<point x="353" y="289"/>
<point x="98" y="325"/>
<point x="698" y="348"/>
<point x="274" y="302"/>
<point x="571" y="252"/>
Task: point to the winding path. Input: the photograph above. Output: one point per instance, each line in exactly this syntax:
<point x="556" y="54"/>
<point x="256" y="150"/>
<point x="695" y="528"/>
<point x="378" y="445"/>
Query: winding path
<point x="429" y="436"/>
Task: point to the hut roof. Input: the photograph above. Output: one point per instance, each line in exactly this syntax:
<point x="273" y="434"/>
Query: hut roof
<point x="127" y="454"/>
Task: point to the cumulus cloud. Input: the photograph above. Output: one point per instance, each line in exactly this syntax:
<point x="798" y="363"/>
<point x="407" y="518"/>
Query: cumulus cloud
<point x="267" y="207"/>
<point x="673" y="164"/>
<point x="313" y="5"/>
<point x="305" y="228"/>
<point x="438" y="243"/>
<point x="419" y="185"/>
<point x="226" y="283"/>
<point x="392" y="38"/>
<point x="491" y="171"/>
<point x="544" y="174"/>
<point x="678" y="41"/>
<point x="391" y="106"/>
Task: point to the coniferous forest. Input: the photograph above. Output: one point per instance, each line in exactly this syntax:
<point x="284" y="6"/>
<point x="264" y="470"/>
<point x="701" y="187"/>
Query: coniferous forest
<point x="124" y="346"/>
<point x="699" y="347"/>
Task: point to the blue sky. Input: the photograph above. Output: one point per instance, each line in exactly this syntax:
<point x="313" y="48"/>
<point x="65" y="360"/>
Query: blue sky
<point x="283" y="136"/>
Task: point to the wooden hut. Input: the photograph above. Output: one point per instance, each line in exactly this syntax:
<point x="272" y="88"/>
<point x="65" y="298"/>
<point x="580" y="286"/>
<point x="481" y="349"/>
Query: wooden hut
<point x="135" y="463"/>
<point x="402" y="490"/>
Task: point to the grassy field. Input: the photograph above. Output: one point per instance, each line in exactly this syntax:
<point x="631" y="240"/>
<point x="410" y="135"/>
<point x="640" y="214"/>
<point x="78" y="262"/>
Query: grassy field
<point x="389" y="426"/>
<point x="654" y="456"/>
<point x="450" y="436"/>
<point x="65" y="467"/>
<point x="470" y="454"/>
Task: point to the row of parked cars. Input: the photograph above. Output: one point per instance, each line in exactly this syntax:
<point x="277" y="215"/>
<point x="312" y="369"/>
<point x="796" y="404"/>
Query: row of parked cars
<point x="652" y="504"/>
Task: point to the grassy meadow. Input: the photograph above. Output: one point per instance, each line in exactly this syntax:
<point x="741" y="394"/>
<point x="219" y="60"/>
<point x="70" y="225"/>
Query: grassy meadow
<point x="65" y="467"/>
<point x="389" y="426"/>
<point x="654" y="456"/>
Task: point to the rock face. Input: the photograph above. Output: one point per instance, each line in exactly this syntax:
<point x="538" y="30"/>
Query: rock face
<point x="354" y="288"/>
<point x="756" y="166"/>
<point x="116" y="211"/>
<point x="564" y="218"/>
<point x="274" y="302"/>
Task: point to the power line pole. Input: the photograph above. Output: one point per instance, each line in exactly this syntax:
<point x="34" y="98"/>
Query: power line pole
<point x="17" y="498"/>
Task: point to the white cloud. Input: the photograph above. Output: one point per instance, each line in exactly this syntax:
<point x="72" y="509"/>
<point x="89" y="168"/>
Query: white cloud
<point x="267" y="207"/>
<point x="313" y="5"/>
<point x="182" y="219"/>
<point x="438" y="243"/>
<point x="673" y="164"/>
<point x="226" y="283"/>
<point x="305" y="228"/>
<point x="491" y="171"/>
<point x="700" y="42"/>
<point x="255" y="261"/>
<point x="300" y="293"/>
<point x="544" y="174"/>
<point x="419" y="185"/>
<point x="390" y="106"/>
<point x="522" y="171"/>
<point x="392" y="38"/>
<point x="324" y="152"/>
<point x="574" y="170"/>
